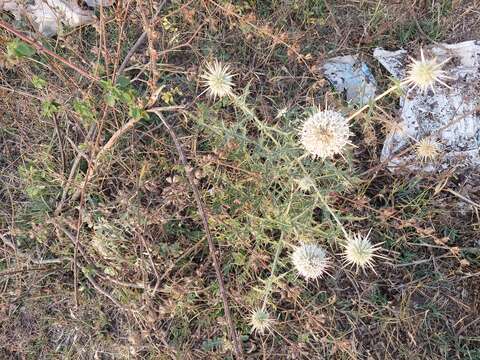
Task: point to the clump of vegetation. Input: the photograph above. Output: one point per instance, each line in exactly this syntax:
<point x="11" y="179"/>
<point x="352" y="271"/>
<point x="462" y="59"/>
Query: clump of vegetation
<point x="189" y="196"/>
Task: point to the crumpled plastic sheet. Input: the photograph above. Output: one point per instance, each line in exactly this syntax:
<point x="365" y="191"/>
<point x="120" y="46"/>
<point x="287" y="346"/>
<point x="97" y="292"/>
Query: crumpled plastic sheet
<point x="451" y="116"/>
<point x="47" y="15"/>
<point x="351" y="77"/>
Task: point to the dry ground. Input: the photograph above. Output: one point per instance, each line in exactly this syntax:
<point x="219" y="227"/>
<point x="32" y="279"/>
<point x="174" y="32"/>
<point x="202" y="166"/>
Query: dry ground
<point x="113" y="263"/>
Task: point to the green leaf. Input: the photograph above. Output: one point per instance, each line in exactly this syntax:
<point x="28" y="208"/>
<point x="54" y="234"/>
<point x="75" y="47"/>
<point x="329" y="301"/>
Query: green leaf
<point x="110" y="99"/>
<point x="49" y="108"/>
<point x="239" y="259"/>
<point x="123" y="82"/>
<point x="120" y="92"/>
<point x="127" y="96"/>
<point x="83" y="146"/>
<point x="110" y="271"/>
<point x="212" y="344"/>
<point x="85" y="110"/>
<point x="89" y="270"/>
<point x="137" y="113"/>
<point x="18" y="49"/>
<point x="38" y="82"/>
<point x="34" y="191"/>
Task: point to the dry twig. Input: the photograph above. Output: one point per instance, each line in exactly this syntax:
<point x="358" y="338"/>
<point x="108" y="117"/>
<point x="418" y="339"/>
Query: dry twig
<point x="138" y="43"/>
<point x="203" y="214"/>
<point x="39" y="47"/>
<point x="76" y="264"/>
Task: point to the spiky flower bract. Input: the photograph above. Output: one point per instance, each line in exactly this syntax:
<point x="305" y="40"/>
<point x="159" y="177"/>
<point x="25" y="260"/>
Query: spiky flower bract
<point x="218" y="79"/>
<point x="427" y="149"/>
<point x="424" y="73"/>
<point x="310" y="260"/>
<point x="359" y="251"/>
<point x="260" y="321"/>
<point x="325" y="134"/>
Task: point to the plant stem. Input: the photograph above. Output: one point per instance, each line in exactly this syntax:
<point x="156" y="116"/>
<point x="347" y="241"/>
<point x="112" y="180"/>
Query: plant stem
<point x="243" y="106"/>
<point x="324" y="202"/>
<point x="382" y="95"/>
<point x="274" y="267"/>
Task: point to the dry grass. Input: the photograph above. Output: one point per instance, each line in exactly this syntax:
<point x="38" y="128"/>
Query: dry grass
<point x="105" y="256"/>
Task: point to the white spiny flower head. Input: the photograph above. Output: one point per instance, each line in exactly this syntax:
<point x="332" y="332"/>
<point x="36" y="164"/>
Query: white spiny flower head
<point x="310" y="260"/>
<point x="359" y="251"/>
<point x="260" y="321"/>
<point x="325" y="133"/>
<point x="218" y="79"/>
<point x="427" y="149"/>
<point x="424" y="73"/>
<point x="305" y="183"/>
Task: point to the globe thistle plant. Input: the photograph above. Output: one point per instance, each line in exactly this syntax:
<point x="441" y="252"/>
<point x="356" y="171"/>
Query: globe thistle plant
<point x="325" y="134"/>
<point x="218" y="80"/>
<point x="260" y="321"/>
<point x="310" y="261"/>
<point x="359" y="251"/>
<point x="424" y="73"/>
<point x="427" y="149"/>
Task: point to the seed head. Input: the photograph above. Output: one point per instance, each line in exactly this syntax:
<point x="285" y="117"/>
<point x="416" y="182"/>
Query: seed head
<point x="425" y="73"/>
<point x="218" y="79"/>
<point x="359" y="251"/>
<point x="310" y="261"/>
<point x="260" y="321"/>
<point x="325" y="134"/>
<point x="427" y="149"/>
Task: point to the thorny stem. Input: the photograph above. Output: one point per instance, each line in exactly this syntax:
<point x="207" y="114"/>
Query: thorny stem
<point x="268" y="288"/>
<point x="278" y="251"/>
<point x="324" y="202"/>
<point x="243" y="106"/>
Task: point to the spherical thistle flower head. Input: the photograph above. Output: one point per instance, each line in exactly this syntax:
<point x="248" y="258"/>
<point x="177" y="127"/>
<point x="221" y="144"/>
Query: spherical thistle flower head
<point x="359" y="251"/>
<point x="305" y="183"/>
<point x="427" y="149"/>
<point x="218" y="79"/>
<point x="260" y="321"/>
<point x="424" y="73"/>
<point x="325" y="134"/>
<point x="310" y="261"/>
